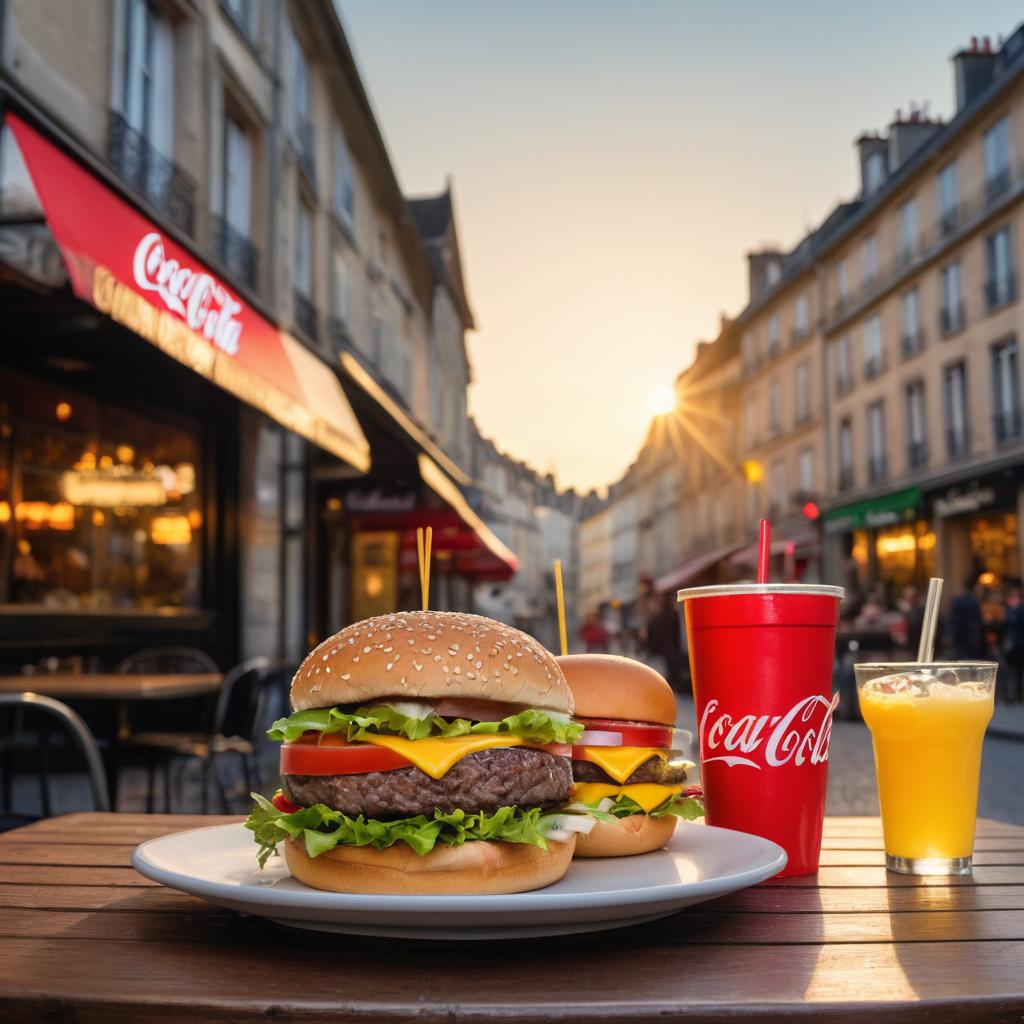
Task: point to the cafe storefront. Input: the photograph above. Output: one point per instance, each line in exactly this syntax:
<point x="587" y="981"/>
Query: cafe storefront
<point x="885" y="541"/>
<point x="155" y="433"/>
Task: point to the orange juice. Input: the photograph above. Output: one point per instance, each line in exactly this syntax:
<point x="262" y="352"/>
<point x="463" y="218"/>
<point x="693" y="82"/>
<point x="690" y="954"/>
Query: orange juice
<point x="927" y="739"/>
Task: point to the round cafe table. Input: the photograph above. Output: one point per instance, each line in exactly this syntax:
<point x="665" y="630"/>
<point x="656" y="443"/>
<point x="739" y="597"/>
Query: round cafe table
<point x="118" y="688"/>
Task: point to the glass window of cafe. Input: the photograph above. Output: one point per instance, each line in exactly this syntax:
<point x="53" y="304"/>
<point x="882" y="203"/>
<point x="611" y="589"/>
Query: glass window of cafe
<point x="904" y="555"/>
<point x="100" y="506"/>
<point x="995" y="545"/>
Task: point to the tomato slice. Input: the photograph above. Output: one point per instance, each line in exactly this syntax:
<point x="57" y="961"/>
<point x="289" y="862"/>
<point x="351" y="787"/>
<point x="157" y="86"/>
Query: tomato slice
<point x="634" y="734"/>
<point x="334" y="758"/>
<point x="283" y="804"/>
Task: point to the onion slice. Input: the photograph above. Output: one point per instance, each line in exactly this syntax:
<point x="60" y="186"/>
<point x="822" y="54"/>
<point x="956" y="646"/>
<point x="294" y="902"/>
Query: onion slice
<point x="559" y="835"/>
<point x="599" y="738"/>
<point x="582" y="823"/>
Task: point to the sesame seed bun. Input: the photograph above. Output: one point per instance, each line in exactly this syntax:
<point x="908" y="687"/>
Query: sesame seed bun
<point x="479" y="867"/>
<point x="607" y="686"/>
<point x="430" y="656"/>
<point x="626" y="837"/>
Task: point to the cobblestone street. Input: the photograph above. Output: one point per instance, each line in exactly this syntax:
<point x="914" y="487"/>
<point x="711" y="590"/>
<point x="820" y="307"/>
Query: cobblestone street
<point x="851" y="785"/>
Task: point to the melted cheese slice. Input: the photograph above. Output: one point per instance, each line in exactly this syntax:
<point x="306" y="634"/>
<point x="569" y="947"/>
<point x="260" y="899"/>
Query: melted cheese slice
<point x="435" y="757"/>
<point x="647" y="794"/>
<point x="618" y="762"/>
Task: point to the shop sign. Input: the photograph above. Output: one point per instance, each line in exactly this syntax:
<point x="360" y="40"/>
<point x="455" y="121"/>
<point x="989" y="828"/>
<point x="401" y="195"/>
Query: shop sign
<point x="378" y="501"/>
<point x="901" y="507"/>
<point x="956" y="502"/>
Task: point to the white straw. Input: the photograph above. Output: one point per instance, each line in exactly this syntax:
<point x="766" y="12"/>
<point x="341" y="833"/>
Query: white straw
<point x="926" y="648"/>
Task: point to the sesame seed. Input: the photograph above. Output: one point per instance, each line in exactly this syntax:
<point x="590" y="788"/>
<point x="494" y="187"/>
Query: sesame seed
<point x="388" y="650"/>
<point x="346" y="676"/>
<point x="325" y="657"/>
<point x="366" y="650"/>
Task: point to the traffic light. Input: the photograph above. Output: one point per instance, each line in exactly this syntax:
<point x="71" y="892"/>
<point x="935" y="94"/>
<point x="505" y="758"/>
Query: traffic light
<point x="811" y="511"/>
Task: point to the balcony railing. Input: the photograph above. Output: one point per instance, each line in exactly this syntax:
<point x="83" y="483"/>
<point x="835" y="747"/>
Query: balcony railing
<point x="912" y="343"/>
<point x="801" y="417"/>
<point x="799" y="334"/>
<point x="998" y="185"/>
<point x="917" y="454"/>
<point x="158" y="180"/>
<point x="844" y="384"/>
<point x="876" y="468"/>
<point x="305" y="147"/>
<point x="773" y="347"/>
<point x="845" y="478"/>
<point x="235" y="251"/>
<point x="958" y="443"/>
<point x="874" y="366"/>
<point x="949" y="222"/>
<point x="1006" y="425"/>
<point x="952" y="319"/>
<point x="999" y="291"/>
<point x="305" y="314"/>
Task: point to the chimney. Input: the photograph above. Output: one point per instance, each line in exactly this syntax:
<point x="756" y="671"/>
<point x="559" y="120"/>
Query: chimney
<point x="974" y="69"/>
<point x="873" y="154"/>
<point x="906" y="134"/>
<point x="765" y="269"/>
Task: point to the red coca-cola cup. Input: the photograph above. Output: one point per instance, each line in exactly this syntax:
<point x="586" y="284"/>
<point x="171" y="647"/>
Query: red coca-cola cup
<point x="761" y="659"/>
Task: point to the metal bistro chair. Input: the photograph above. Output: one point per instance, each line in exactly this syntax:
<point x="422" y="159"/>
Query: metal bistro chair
<point x="71" y="724"/>
<point x="168" y="659"/>
<point x="230" y="730"/>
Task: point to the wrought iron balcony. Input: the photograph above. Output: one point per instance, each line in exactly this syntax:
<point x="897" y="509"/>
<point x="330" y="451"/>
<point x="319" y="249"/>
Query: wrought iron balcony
<point x="305" y="147"/>
<point x="877" y="468"/>
<point x="844" y="384"/>
<point x="773" y="347"/>
<point x="234" y="251"/>
<point x="304" y="314"/>
<point x="802" y="417"/>
<point x="998" y="185"/>
<point x="873" y="366"/>
<point x="1006" y="425"/>
<point x="999" y="291"/>
<point x="799" y="334"/>
<point x="949" y="221"/>
<point x="912" y="343"/>
<point x="917" y="454"/>
<point x="958" y="443"/>
<point x="161" y="182"/>
<point x="845" y="478"/>
<point x="951" y="319"/>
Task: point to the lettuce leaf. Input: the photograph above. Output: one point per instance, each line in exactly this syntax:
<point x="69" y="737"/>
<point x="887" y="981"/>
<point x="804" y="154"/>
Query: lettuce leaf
<point x="532" y="725"/>
<point x="321" y="828"/>
<point x="686" y="807"/>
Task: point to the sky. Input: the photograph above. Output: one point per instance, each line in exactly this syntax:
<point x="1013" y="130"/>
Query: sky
<point x="612" y="163"/>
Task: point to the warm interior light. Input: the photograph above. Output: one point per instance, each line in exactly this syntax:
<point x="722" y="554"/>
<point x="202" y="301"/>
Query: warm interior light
<point x="987" y="579"/>
<point x="170" y="529"/>
<point x="106" y="462"/>
<point x="333" y="504"/>
<point x="63" y="411"/>
<point x="125" y="452"/>
<point x="62" y="516"/>
<point x="374" y="584"/>
<point x="662" y="400"/>
<point x="5" y="511"/>
<point x="195" y="519"/>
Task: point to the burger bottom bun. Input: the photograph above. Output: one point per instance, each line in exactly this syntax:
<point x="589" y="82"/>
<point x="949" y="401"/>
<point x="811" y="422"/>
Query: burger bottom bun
<point x="624" y="837"/>
<point x="476" y="868"/>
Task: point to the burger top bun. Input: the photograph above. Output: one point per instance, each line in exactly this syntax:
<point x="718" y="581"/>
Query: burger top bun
<point x="607" y="686"/>
<point x="430" y="656"/>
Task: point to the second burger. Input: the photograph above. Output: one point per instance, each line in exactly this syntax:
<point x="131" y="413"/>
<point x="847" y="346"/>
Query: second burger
<point x="624" y="767"/>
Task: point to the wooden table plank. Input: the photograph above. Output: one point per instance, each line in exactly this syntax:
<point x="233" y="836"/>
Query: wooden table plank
<point x="113" y="685"/>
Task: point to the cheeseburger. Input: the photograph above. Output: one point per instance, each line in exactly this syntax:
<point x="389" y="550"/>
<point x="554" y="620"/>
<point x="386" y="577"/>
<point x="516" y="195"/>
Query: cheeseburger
<point x="423" y="754"/>
<point x="624" y="768"/>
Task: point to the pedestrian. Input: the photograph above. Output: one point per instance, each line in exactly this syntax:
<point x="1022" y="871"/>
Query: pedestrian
<point x="913" y="612"/>
<point x="594" y="635"/>
<point x="1013" y="641"/>
<point x="966" y="629"/>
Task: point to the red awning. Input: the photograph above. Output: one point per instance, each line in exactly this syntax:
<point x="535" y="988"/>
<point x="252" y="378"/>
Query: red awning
<point x="805" y="544"/>
<point x="688" y="571"/>
<point x="122" y="264"/>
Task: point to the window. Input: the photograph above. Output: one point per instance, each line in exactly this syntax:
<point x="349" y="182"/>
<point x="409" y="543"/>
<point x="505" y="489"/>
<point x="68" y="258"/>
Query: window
<point x="749" y="345"/>
<point x="378" y="333"/>
<point x="948" y="197"/>
<point x="774" y="334"/>
<point x="1000" y="286"/>
<point x="779" y="485"/>
<point x="957" y="440"/>
<point x="102" y="511"/>
<point x="845" y="454"/>
<point x="774" y="407"/>
<point x="874" y="356"/>
<point x="908" y="230"/>
<point x="874" y="172"/>
<point x="910" y="322"/>
<point x="951" y="314"/>
<point x="916" y="438"/>
<point x="801" y="317"/>
<point x="149" y="76"/>
<point x="869" y="260"/>
<point x="303" y="250"/>
<point x="844" y="365"/>
<point x="750" y="420"/>
<point x="997" y="157"/>
<point x="344" y="191"/>
<point x="1005" y="390"/>
<point x="342" y="293"/>
<point x="237" y="178"/>
<point x="243" y="14"/>
<point x="876" y="441"/>
<point x="802" y="386"/>
<point x="842" y="282"/>
<point x="805" y="470"/>
<point x="299" y="67"/>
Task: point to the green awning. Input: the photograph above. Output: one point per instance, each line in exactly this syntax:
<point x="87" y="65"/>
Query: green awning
<point x="901" y="507"/>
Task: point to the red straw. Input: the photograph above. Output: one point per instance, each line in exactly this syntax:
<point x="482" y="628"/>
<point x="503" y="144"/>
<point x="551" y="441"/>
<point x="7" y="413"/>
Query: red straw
<point x="764" y="551"/>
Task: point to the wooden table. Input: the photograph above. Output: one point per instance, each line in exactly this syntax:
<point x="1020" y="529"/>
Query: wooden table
<point x="121" y="688"/>
<point x="85" y="938"/>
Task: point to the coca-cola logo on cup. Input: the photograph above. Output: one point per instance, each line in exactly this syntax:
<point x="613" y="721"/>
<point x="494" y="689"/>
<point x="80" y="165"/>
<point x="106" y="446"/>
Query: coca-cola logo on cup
<point x="196" y="296"/>
<point x="801" y="734"/>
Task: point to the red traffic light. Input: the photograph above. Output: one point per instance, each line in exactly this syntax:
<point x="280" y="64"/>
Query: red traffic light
<point x="811" y="510"/>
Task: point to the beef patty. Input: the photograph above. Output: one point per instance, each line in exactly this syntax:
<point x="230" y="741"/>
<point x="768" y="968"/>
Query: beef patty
<point x="657" y="769"/>
<point x="484" y="781"/>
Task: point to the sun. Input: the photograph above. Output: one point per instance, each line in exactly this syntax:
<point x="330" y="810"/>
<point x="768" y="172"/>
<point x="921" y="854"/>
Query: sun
<point x="662" y="400"/>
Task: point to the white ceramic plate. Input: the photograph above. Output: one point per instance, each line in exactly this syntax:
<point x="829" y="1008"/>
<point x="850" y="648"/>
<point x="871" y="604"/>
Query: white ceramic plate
<point x="701" y="862"/>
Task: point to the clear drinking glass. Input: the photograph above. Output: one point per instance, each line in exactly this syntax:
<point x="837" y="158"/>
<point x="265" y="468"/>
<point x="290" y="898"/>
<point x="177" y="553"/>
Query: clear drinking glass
<point x="927" y="725"/>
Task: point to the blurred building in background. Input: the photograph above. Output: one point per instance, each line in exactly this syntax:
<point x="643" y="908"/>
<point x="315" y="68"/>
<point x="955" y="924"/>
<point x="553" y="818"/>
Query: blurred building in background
<point x="234" y="377"/>
<point x="868" y="397"/>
